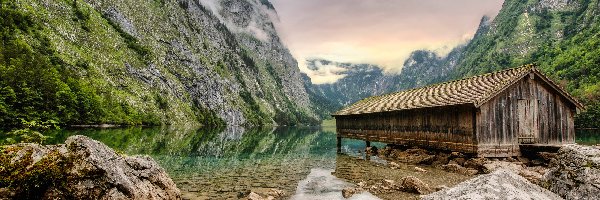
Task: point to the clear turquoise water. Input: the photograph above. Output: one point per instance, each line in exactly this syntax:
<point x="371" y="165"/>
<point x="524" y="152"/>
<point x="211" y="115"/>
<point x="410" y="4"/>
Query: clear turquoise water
<point x="226" y="163"/>
<point x="223" y="163"/>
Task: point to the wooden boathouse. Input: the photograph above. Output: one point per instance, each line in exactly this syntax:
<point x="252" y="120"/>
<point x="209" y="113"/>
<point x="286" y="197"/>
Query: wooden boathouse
<point x="490" y="115"/>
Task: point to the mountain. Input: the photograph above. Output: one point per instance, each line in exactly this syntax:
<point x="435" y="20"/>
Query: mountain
<point x="358" y="81"/>
<point x="560" y="36"/>
<point x="208" y="62"/>
<point x="364" y="80"/>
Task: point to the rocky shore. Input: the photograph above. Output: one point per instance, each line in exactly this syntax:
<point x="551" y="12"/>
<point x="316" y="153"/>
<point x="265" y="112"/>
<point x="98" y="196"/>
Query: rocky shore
<point x="500" y="184"/>
<point x="575" y="173"/>
<point x="571" y="173"/>
<point x="83" y="168"/>
<point x="79" y="169"/>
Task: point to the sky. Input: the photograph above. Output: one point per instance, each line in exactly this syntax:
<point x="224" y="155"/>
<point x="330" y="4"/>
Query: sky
<point x="381" y="32"/>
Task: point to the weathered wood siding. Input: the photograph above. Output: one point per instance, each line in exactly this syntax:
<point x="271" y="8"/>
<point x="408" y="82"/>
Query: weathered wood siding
<point x="449" y="127"/>
<point x="529" y="111"/>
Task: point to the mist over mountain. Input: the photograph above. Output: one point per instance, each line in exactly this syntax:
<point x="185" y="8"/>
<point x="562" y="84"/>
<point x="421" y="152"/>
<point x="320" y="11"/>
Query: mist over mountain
<point x="560" y="36"/>
<point x="359" y="81"/>
<point x="148" y="62"/>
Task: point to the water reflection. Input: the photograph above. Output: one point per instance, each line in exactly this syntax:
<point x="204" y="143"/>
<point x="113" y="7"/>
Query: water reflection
<point x="227" y="163"/>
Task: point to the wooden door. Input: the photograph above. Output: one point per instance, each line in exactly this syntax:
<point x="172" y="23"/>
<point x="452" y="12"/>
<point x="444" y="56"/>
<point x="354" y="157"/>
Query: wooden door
<point x="525" y="122"/>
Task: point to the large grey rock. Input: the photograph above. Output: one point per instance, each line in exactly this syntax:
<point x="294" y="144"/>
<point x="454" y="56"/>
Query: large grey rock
<point x="81" y="169"/>
<point x="500" y="184"/>
<point x="575" y="174"/>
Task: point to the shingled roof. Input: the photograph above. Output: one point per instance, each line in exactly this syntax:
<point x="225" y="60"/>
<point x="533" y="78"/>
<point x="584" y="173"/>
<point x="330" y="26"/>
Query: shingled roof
<point x="475" y="90"/>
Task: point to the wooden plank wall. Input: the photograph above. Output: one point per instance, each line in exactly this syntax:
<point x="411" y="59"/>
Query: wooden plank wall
<point x="449" y="128"/>
<point x="529" y="108"/>
<point x="555" y="117"/>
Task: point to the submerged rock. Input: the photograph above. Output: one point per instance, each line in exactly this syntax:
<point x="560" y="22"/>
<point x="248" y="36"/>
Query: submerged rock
<point x="575" y="173"/>
<point x="420" y="169"/>
<point x="82" y="168"/>
<point x="475" y="163"/>
<point x="410" y="156"/>
<point x="500" y="184"/>
<point x="414" y="185"/>
<point x="348" y="192"/>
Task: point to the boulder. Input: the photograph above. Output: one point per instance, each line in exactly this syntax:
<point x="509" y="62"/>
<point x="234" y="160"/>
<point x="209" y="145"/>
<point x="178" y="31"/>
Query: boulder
<point x="80" y="169"/>
<point x="475" y="163"/>
<point x="412" y="156"/>
<point x="414" y="185"/>
<point x="500" y="184"/>
<point x="575" y="173"/>
<point x="437" y="160"/>
<point x="460" y="161"/>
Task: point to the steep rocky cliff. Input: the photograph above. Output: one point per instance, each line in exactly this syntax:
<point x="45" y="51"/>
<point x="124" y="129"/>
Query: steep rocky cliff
<point x="561" y="36"/>
<point x="163" y="61"/>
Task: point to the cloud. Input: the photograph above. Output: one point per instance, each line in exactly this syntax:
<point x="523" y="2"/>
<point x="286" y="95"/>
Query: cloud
<point x="382" y="32"/>
<point x="257" y="32"/>
<point x="325" y="73"/>
<point x="212" y="5"/>
<point x="254" y="28"/>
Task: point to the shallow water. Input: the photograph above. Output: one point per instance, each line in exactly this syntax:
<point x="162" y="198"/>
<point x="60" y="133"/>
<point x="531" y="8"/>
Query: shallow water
<point x="588" y="136"/>
<point x="228" y="163"/>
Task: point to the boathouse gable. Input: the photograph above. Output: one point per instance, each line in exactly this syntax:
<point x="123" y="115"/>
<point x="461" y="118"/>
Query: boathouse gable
<point x="490" y="115"/>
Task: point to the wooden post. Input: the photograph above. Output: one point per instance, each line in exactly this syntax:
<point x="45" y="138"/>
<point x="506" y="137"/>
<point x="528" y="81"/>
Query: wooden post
<point x="367" y="154"/>
<point x="339" y="144"/>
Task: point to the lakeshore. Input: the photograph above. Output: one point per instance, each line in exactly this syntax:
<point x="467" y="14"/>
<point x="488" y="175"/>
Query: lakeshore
<point x="233" y="162"/>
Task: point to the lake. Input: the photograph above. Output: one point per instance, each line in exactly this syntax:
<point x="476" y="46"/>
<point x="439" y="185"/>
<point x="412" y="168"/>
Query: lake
<point x="228" y="163"/>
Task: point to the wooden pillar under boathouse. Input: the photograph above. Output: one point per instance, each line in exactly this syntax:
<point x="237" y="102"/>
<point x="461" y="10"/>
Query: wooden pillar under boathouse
<point x="490" y="115"/>
<point x="339" y="144"/>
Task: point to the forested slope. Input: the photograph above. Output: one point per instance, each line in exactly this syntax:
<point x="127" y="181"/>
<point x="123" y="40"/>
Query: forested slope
<point x="147" y="62"/>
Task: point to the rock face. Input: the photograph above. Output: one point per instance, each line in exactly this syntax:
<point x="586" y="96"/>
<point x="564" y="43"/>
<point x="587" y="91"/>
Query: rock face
<point x="179" y="61"/>
<point x="575" y="174"/>
<point x="501" y="184"/>
<point x="81" y="169"/>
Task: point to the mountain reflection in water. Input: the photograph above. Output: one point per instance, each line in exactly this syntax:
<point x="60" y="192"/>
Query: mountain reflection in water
<point x="228" y="163"/>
